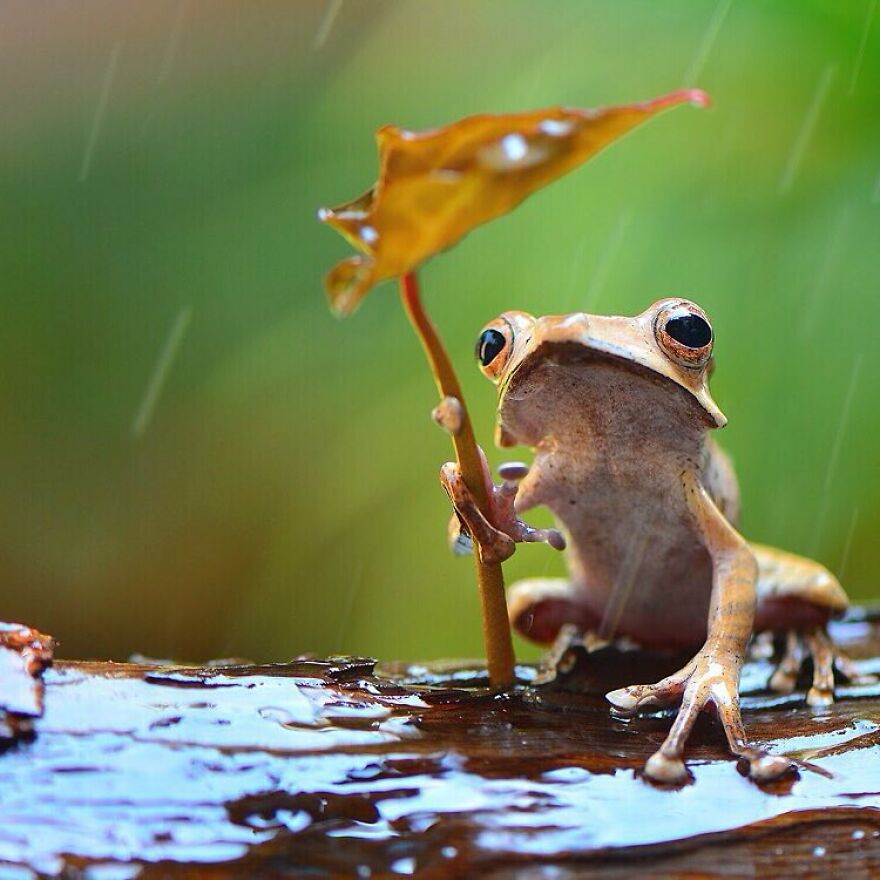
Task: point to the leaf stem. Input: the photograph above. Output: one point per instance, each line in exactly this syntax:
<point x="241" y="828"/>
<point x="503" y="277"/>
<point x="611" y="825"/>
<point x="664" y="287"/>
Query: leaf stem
<point x="490" y="578"/>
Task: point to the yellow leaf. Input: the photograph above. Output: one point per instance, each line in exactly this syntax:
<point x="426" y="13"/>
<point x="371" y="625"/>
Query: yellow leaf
<point x="435" y="186"/>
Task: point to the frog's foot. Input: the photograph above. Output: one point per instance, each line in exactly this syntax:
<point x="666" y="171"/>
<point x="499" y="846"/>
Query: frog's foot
<point x="816" y="645"/>
<point x="562" y="656"/>
<point x="497" y="531"/>
<point x="706" y="680"/>
<point x="761" y="647"/>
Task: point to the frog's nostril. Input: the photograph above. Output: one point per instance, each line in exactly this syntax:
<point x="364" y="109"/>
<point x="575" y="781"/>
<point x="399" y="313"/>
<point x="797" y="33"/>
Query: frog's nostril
<point x="566" y="328"/>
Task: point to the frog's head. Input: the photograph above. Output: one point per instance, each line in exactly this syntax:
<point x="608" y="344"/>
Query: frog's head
<point x="657" y="363"/>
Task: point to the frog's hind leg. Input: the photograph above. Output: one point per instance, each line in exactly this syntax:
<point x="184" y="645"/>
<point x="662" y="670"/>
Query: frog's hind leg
<point x="827" y="658"/>
<point x="712" y="676"/>
<point x="549" y="610"/>
<point x="797" y="597"/>
<point x="822" y="648"/>
<point x="552" y="611"/>
<point x="694" y="690"/>
<point x="784" y="679"/>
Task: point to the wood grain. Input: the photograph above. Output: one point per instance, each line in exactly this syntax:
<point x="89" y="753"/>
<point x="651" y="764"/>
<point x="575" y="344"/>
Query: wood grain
<point x="338" y="767"/>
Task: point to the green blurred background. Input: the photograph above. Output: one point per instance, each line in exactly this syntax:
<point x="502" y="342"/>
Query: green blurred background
<point x="198" y="460"/>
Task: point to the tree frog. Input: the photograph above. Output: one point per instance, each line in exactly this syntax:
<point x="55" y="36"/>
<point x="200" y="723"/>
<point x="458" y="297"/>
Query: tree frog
<point x="618" y="413"/>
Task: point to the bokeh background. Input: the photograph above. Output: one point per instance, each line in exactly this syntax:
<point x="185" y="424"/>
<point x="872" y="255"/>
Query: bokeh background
<point x="198" y="460"/>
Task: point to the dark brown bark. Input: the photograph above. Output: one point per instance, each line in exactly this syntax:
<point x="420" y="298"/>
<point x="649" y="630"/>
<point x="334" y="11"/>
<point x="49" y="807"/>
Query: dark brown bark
<point x="335" y="766"/>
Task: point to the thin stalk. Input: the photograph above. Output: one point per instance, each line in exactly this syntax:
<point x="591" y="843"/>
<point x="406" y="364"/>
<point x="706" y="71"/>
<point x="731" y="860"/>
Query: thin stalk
<point x="490" y="578"/>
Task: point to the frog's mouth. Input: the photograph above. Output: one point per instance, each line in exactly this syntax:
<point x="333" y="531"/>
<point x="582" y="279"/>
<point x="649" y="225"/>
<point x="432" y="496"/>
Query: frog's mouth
<point x="562" y="381"/>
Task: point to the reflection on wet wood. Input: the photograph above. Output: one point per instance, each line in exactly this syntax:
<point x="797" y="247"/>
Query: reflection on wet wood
<point x="339" y="767"/>
<point x="24" y="654"/>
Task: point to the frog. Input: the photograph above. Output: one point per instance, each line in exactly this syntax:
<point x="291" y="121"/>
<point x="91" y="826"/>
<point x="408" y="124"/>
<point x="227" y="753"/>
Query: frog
<point x="619" y="415"/>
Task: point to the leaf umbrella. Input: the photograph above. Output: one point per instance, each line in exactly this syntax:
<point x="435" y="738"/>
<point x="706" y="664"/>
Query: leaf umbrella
<point x="433" y="188"/>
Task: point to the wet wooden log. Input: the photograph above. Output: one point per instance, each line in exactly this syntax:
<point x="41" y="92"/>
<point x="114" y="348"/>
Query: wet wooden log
<point x="340" y="767"/>
<point x="24" y="655"/>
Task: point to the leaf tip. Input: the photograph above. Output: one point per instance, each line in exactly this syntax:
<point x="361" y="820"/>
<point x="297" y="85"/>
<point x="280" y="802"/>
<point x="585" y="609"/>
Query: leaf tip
<point x="347" y="282"/>
<point x="697" y="97"/>
<point x="694" y="97"/>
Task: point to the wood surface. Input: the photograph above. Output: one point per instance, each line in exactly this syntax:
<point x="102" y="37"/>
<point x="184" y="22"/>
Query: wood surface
<point x="342" y="767"/>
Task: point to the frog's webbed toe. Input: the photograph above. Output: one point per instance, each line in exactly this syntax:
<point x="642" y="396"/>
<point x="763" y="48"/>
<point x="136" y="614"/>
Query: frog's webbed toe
<point x="826" y="657"/>
<point x="497" y="530"/>
<point x="504" y="503"/>
<point x="701" y="682"/>
<point x="470" y="525"/>
<point x="562" y="656"/>
<point x="666" y="692"/>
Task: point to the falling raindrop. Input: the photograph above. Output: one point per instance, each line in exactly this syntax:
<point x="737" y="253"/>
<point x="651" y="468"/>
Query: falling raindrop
<point x="357" y="582"/>
<point x="847" y="544"/>
<point x="100" y="109"/>
<point x="824" y="275"/>
<point x="860" y="55"/>
<point x="173" y="41"/>
<point x="327" y="22"/>
<point x="600" y="274"/>
<point x="624" y="582"/>
<point x="805" y="132"/>
<point x="705" y="47"/>
<point x="844" y="420"/>
<point x="834" y="456"/>
<point x="160" y="373"/>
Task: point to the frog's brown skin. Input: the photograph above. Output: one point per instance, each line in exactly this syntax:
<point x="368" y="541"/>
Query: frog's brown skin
<point x="618" y="412"/>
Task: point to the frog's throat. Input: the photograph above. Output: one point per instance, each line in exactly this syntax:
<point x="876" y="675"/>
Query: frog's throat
<point x="710" y="416"/>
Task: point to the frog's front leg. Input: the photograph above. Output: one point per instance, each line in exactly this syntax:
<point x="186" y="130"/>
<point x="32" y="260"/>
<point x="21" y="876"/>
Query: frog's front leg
<point x="497" y="530"/>
<point x="712" y="677"/>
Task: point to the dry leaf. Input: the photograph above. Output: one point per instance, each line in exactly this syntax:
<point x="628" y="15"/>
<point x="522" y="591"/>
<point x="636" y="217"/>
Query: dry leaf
<point x="435" y="186"/>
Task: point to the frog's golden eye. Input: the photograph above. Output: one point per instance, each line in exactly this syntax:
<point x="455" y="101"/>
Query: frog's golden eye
<point x="493" y="348"/>
<point x="685" y="334"/>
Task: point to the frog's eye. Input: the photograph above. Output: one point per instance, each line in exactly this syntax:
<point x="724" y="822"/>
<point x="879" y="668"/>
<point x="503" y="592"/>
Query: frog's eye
<point x="490" y="344"/>
<point x="493" y="348"/>
<point x="685" y="334"/>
